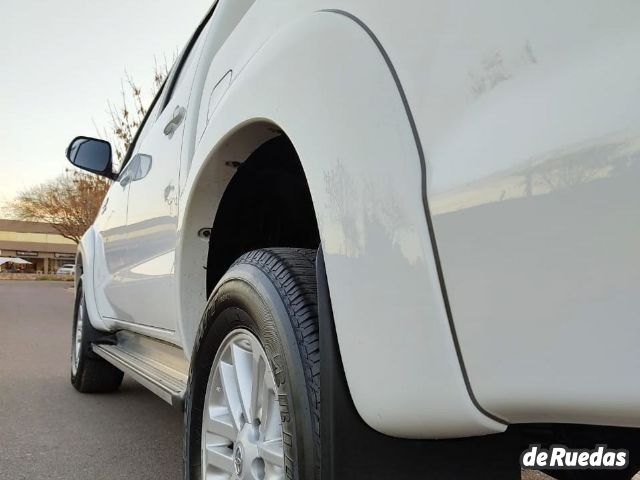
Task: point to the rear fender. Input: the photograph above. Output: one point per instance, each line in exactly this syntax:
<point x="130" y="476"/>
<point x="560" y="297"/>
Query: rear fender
<point x="353" y="134"/>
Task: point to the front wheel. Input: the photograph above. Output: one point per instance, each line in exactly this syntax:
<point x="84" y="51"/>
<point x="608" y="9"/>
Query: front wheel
<point x="89" y="373"/>
<point x="253" y="401"/>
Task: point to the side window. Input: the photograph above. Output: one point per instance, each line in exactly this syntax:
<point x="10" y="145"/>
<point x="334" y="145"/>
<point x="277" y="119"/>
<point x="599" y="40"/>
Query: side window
<point x="187" y="57"/>
<point x="163" y="97"/>
<point x="151" y="117"/>
<point x="189" y="61"/>
<point x="147" y="123"/>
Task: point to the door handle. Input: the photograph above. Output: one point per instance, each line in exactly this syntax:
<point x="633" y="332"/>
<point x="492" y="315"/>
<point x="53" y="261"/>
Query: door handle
<point x="125" y="180"/>
<point x="176" y="120"/>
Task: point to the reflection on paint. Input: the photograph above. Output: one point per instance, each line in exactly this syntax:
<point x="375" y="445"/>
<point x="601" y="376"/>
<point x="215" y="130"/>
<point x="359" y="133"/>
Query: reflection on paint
<point x="610" y="157"/>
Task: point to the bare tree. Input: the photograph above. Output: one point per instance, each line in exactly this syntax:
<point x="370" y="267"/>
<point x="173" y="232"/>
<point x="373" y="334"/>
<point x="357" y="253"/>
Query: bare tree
<point x="70" y="203"/>
<point x="127" y="116"/>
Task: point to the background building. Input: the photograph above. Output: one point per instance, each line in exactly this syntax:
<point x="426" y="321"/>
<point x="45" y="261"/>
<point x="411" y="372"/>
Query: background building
<point x="36" y="242"/>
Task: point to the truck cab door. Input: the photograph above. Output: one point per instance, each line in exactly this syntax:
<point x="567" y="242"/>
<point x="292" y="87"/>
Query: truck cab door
<point x="153" y="204"/>
<point x="111" y="256"/>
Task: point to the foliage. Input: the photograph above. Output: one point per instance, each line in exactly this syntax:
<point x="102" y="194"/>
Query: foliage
<point x="69" y="202"/>
<point x="127" y="117"/>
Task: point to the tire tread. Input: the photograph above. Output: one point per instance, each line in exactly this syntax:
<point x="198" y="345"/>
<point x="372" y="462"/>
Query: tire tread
<point x="292" y="271"/>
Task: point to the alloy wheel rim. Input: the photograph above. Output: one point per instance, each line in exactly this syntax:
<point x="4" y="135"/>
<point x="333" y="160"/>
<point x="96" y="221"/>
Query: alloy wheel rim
<point x="241" y="426"/>
<point x="77" y="339"/>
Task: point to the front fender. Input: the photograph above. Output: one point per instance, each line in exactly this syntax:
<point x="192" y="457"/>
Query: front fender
<point x="85" y="257"/>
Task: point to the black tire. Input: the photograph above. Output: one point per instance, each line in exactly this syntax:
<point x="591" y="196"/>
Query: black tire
<point x="271" y="293"/>
<point x="93" y="374"/>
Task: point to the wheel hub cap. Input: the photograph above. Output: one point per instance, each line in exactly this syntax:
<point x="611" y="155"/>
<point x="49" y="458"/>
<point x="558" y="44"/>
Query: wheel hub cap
<point x="77" y="340"/>
<point x="241" y="428"/>
<point x="238" y="458"/>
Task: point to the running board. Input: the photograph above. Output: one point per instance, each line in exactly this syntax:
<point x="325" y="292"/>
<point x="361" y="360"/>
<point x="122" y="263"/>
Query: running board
<point x="159" y="366"/>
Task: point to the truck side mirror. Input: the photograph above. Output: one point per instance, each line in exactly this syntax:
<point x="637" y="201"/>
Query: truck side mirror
<point x="92" y="155"/>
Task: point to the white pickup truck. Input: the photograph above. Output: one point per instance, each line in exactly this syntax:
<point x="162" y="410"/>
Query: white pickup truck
<point x="358" y="239"/>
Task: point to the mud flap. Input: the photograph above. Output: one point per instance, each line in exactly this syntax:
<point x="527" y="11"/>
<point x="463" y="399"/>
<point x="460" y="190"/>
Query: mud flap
<point x="353" y="450"/>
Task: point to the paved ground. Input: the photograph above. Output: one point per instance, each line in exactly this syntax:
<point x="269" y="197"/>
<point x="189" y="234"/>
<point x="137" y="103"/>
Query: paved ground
<point x="50" y="431"/>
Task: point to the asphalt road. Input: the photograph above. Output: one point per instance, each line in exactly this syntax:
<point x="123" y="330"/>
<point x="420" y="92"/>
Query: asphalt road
<point x="50" y="431"/>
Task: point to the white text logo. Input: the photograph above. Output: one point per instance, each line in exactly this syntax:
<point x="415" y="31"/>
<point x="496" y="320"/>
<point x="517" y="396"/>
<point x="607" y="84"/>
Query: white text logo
<point x="561" y="457"/>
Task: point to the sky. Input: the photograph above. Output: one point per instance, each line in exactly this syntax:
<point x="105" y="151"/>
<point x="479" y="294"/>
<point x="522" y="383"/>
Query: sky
<point x="62" y="61"/>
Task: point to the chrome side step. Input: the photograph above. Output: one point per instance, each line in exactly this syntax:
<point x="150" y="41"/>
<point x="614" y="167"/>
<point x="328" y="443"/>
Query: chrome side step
<point x="160" y="367"/>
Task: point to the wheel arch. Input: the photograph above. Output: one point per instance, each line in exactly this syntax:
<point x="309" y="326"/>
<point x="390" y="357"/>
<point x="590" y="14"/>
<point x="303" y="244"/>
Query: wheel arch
<point x="79" y="268"/>
<point x="267" y="203"/>
<point x="202" y="206"/>
<point x="84" y="273"/>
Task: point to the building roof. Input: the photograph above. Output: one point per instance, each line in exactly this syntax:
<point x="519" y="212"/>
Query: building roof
<point x="19" y="236"/>
<point x="26" y="227"/>
<point x="38" y="247"/>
